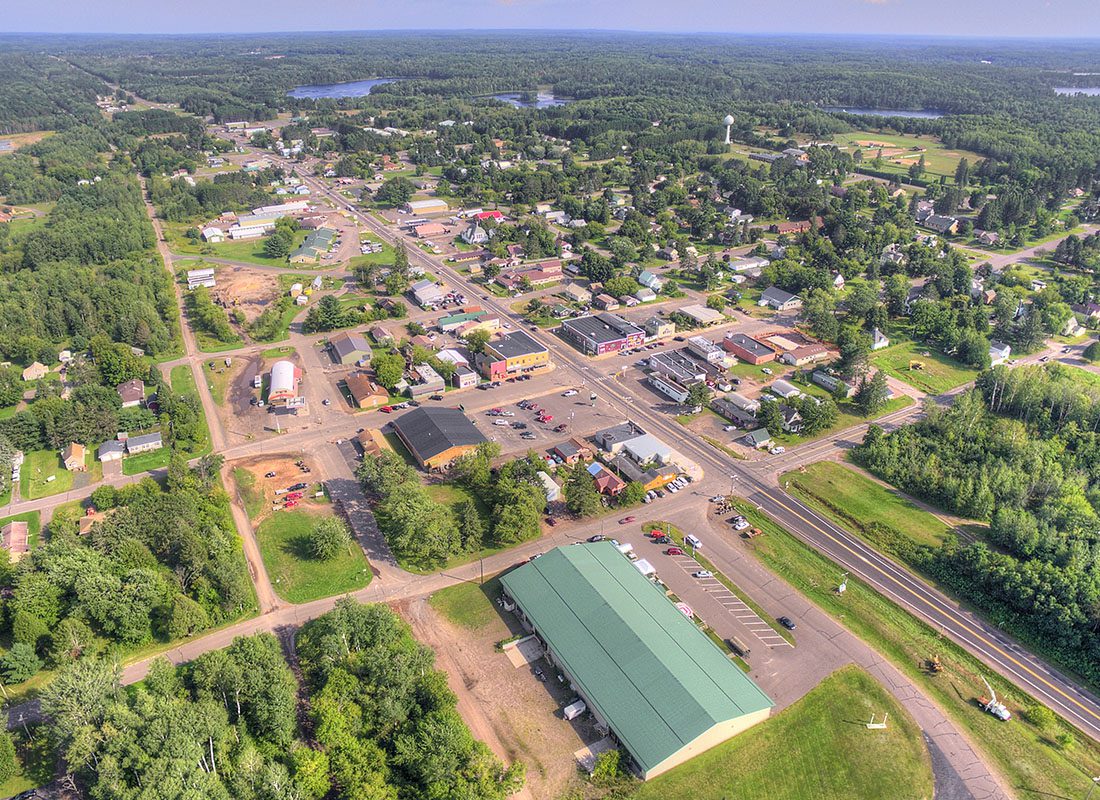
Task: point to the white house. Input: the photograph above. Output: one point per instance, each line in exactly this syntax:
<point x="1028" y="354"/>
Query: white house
<point x="879" y="340"/>
<point x="999" y="353"/>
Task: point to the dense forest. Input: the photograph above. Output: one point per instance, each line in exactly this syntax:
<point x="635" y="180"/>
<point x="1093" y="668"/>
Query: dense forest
<point x="162" y="563"/>
<point x="374" y="720"/>
<point x="1021" y="452"/>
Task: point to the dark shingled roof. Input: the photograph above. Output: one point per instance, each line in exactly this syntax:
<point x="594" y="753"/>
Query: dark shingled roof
<point x="431" y="431"/>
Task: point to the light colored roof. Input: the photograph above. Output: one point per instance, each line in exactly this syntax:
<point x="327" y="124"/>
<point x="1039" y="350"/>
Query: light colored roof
<point x="656" y="679"/>
<point x="282" y="378"/>
<point x="648" y="447"/>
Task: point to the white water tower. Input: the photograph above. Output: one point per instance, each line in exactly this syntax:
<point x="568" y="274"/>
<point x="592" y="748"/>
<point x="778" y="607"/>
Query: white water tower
<point x="728" y="122"/>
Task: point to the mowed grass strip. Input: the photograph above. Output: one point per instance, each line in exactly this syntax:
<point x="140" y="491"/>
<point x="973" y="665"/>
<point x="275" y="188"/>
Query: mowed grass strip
<point x="297" y="577"/>
<point x="939" y="373"/>
<point x="469" y="605"/>
<point x="818" y="749"/>
<point x="1030" y="759"/>
<point x="856" y="502"/>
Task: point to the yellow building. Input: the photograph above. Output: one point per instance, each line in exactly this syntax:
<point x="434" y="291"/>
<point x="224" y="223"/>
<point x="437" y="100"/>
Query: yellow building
<point x="519" y="352"/>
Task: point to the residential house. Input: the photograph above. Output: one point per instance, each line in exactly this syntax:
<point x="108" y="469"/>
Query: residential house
<point x="650" y="280"/>
<point x="380" y="335"/>
<point x="838" y="282"/>
<point x="645" y="295"/>
<point x="833" y="383"/>
<point x="577" y="293"/>
<point x="364" y="392"/>
<point x="145" y="443"/>
<point x="607" y="482"/>
<point x="774" y="297"/>
<point x="349" y="348"/>
<point x="732" y="411"/>
<point x="606" y="302"/>
<point x="73" y="457"/>
<point x="35" y="371"/>
<point x="999" y="353"/>
<point x="988" y="238"/>
<point x="879" y="340"/>
<point x="892" y="256"/>
<point x="757" y="438"/>
<point x="111" y="450"/>
<point x="131" y="393"/>
<point x="792" y="420"/>
<point x="15" y="538"/>
<point x="942" y="225"/>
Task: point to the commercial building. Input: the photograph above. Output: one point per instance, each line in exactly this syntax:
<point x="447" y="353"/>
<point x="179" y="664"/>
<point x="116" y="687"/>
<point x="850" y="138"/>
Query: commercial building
<point x="429" y="229"/>
<point x="426" y="293"/>
<point x="428" y="381"/>
<point x="437" y="436"/>
<point x="201" y="277"/>
<point x="806" y="354"/>
<point x="705" y="349"/>
<point x="649" y="676"/>
<point x="283" y="386"/>
<point x="602" y="333"/>
<point x="512" y="354"/>
<point x="464" y="377"/>
<point x="677" y="366"/>
<point x="669" y="387"/>
<point x="429" y="206"/>
<point x="748" y="349"/>
<point x="315" y="245"/>
<point x="349" y="348"/>
<point x="701" y="315"/>
<point x="657" y="328"/>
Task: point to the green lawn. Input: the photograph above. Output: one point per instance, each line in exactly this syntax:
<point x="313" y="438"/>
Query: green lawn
<point x="252" y="497"/>
<point x="249" y="251"/>
<point x="940" y="373"/>
<point x="39" y="465"/>
<point x="34" y="525"/>
<point x="144" y="462"/>
<point x="938" y="160"/>
<point x="37" y="764"/>
<point x="817" y="749"/>
<point x="864" y="506"/>
<point x="469" y="605"/>
<point x="1028" y="758"/>
<point x="298" y="578"/>
<point x="183" y="383"/>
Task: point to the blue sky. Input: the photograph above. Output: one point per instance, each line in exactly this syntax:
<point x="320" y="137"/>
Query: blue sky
<point x="1076" y="18"/>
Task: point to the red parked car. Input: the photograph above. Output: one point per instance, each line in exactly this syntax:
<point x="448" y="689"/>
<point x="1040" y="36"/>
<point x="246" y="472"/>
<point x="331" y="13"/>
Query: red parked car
<point x="546" y="418"/>
<point x="625" y="520"/>
<point x="674" y="551"/>
<point x="386" y="409"/>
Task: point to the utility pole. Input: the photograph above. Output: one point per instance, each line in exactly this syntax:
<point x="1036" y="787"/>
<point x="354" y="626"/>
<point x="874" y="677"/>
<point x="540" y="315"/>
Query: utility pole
<point x="1092" y="788"/>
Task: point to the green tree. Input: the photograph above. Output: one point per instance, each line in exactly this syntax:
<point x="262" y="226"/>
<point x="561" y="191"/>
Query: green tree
<point x="329" y="537"/>
<point x="476" y="340"/>
<point x="699" y="395"/>
<point x="871" y="396"/>
<point x="9" y="766"/>
<point x="471" y="526"/>
<point x="186" y="617"/>
<point x="717" y="302"/>
<point x="581" y="497"/>
<point x="633" y="494"/>
<point x="20" y="663"/>
<point x="389" y="369"/>
<point x="395" y="192"/>
<point x="1092" y="352"/>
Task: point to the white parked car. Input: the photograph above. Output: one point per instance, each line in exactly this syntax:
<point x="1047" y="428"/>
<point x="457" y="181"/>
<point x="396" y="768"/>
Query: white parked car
<point x="570" y="393"/>
<point x="500" y="422"/>
<point x="766" y="371"/>
<point x="703" y="573"/>
<point x="775" y="451"/>
<point x="740" y="523"/>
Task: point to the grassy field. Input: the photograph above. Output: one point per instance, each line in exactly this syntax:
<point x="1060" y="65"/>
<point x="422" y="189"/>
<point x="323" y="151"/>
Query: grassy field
<point x="143" y="462"/>
<point x="296" y="576"/>
<point x="815" y="750"/>
<point x="940" y="373"/>
<point x="468" y="605"/>
<point x="252" y="497"/>
<point x="857" y="503"/>
<point x="41" y="464"/>
<point x="248" y="251"/>
<point x="1030" y="759"/>
<point x="183" y="383"/>
<point x="938" y="160"/>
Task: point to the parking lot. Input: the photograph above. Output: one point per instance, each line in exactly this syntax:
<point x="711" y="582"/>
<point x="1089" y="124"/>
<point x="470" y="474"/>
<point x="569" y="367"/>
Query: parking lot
<point x="707" y="596"/>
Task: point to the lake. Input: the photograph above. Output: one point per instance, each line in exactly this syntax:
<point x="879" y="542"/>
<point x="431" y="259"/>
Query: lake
<point x="1088" y="91"/>
<point x="887" y="112"/>
<point x="333" y="90"/>
<point x="543" y="100"/>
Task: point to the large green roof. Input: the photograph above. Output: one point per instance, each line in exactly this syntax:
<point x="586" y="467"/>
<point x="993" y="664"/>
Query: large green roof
<point x="650" y="673"/>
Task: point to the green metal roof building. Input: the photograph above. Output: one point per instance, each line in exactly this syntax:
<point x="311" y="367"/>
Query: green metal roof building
<point x="646" y="672"/>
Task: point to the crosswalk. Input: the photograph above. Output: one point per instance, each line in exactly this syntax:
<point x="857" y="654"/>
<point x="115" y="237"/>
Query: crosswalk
<point x="733" y="604"/>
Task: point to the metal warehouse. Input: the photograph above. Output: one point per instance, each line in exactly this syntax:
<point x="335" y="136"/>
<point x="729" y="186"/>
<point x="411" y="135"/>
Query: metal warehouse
<point x="647" y="673"/>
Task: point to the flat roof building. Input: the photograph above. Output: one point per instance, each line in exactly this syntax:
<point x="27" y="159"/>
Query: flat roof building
<point x="654" y="679"/>
<point x="748" y="349"/>
<point x="602" y="333"/>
